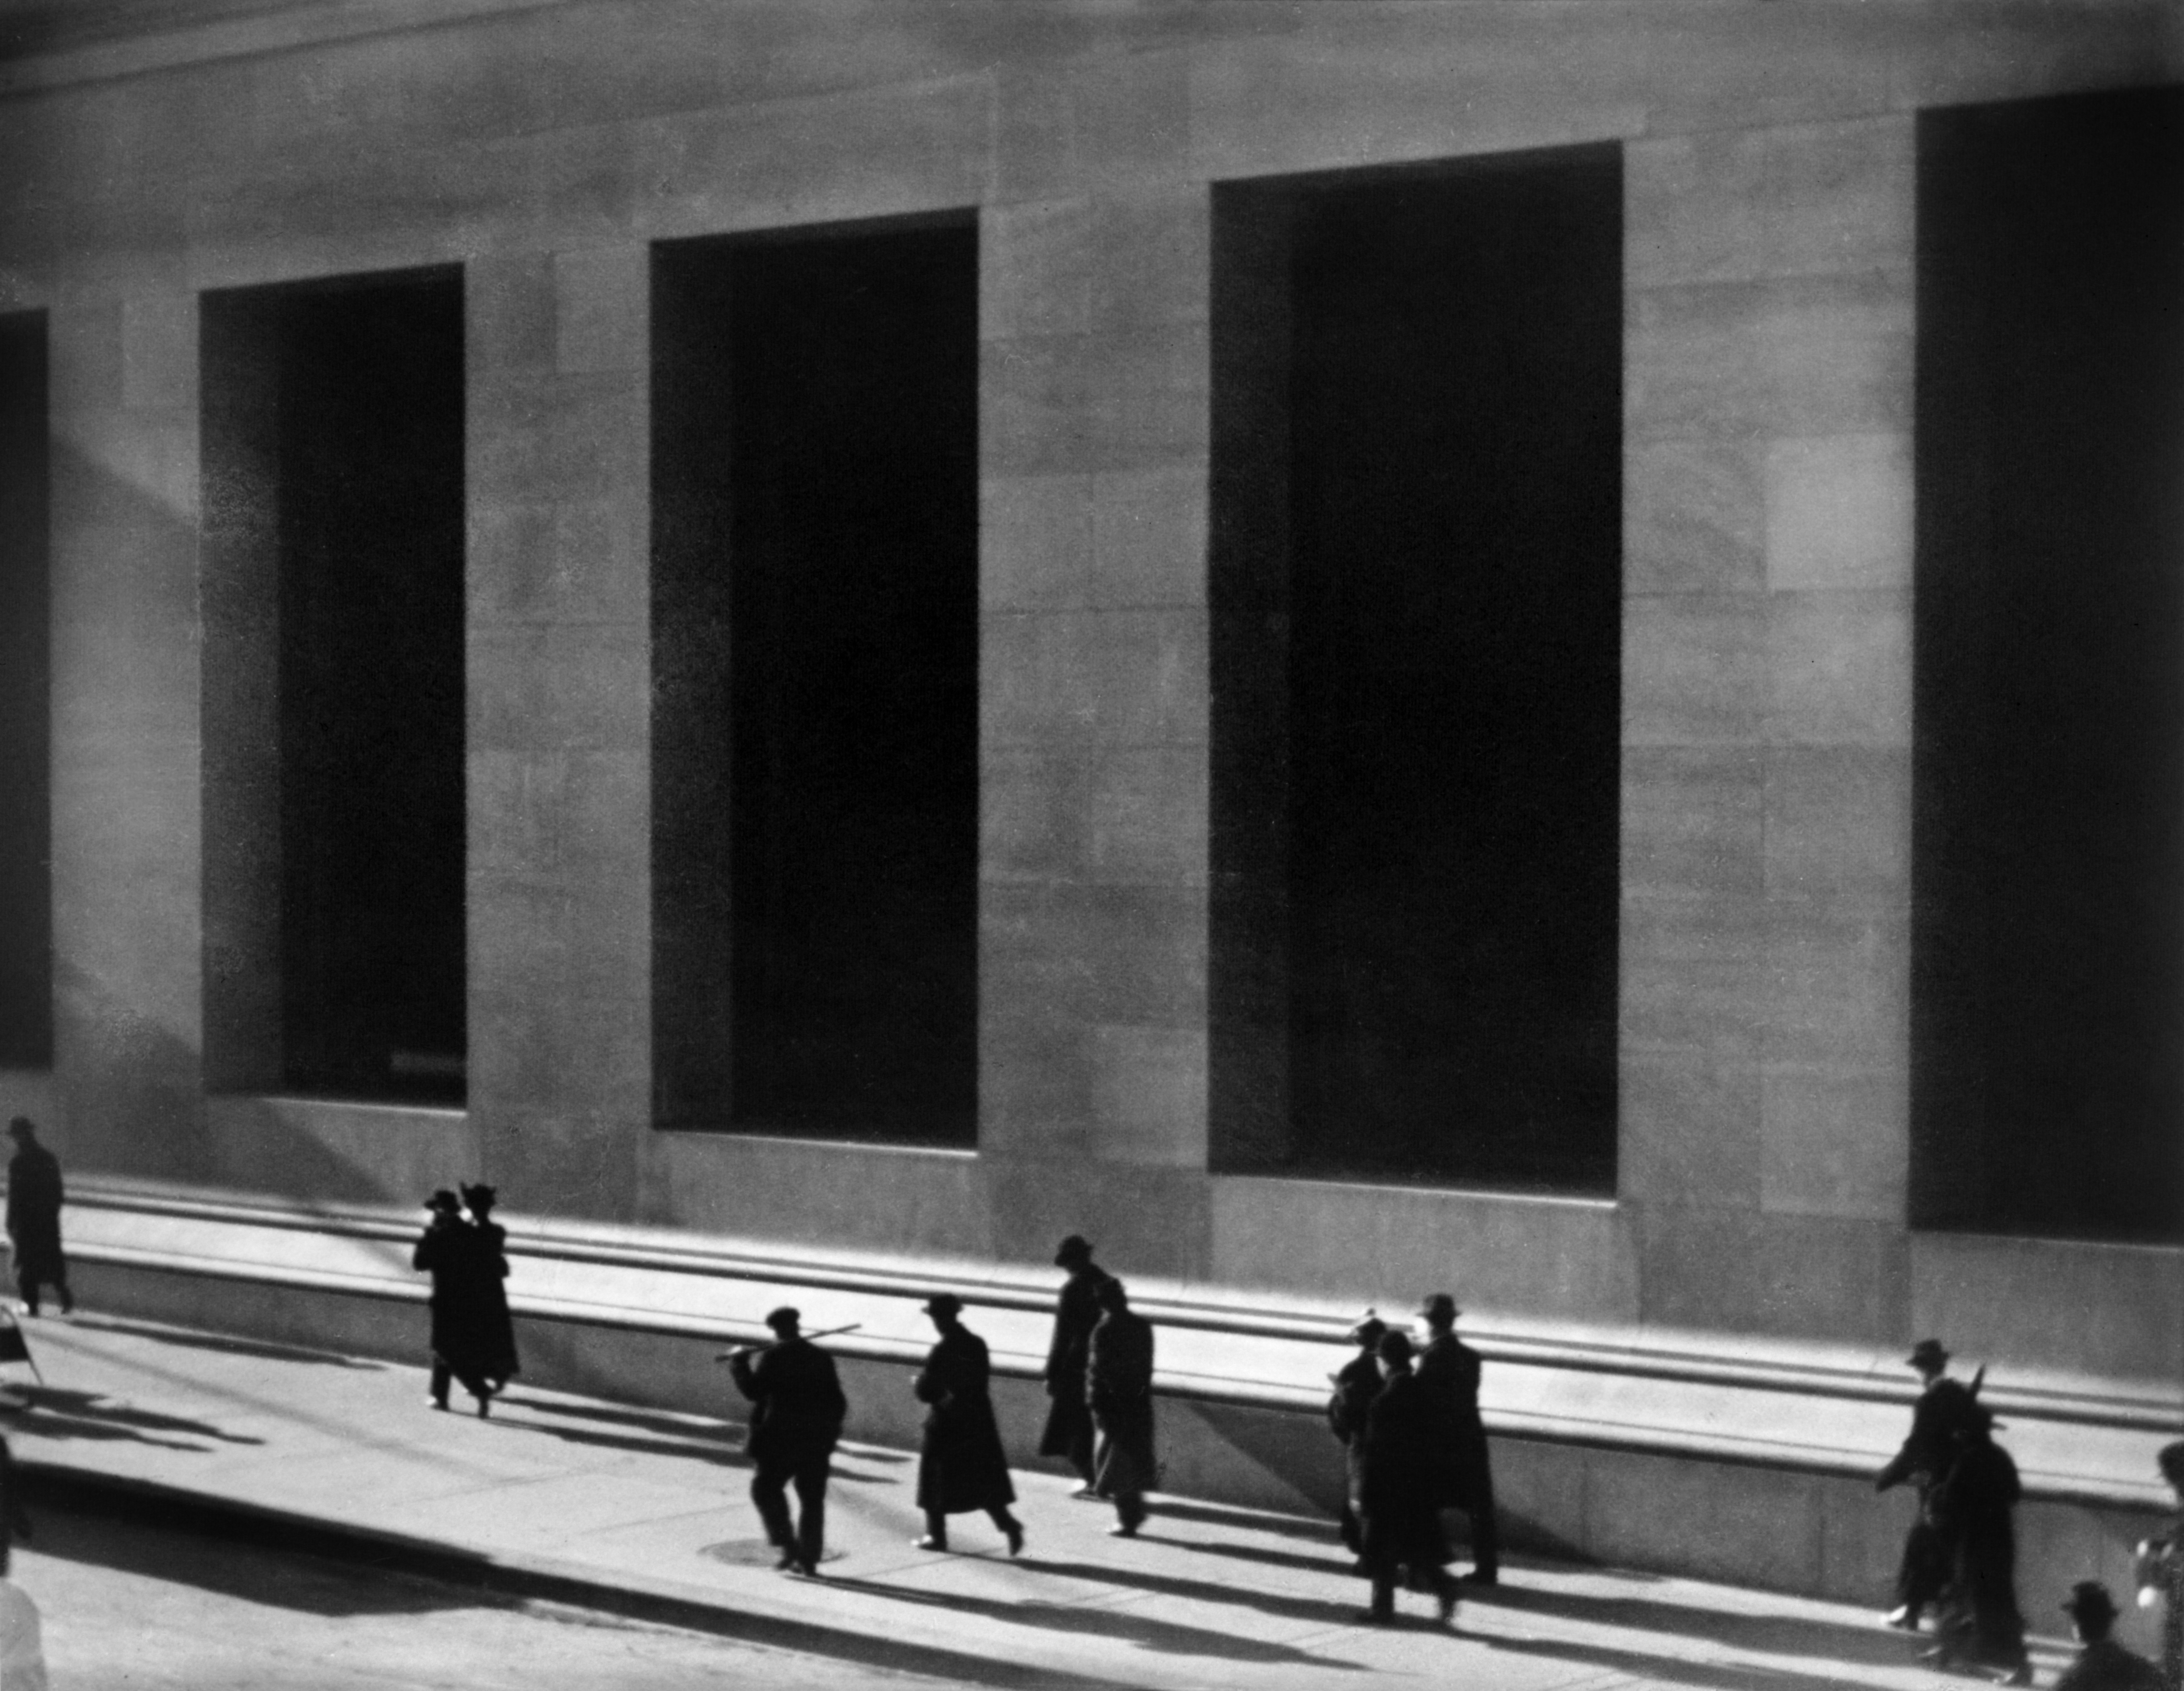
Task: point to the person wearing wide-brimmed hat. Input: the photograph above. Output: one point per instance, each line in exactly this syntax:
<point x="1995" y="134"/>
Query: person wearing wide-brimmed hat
<point x="797" y="1412"/>
<point x="1944" y="1405"/>
<point x="1356" y="1385"/>
<point x="34" y="1217"/>
<point x="1448" y="1371"/>
<point x="448" y="1251"/>
<point x="1980" y="1624"/>
<point x="2104" y="1664"/>
<point x="961" y="1464"/>
<point x="1068" y="1432"/>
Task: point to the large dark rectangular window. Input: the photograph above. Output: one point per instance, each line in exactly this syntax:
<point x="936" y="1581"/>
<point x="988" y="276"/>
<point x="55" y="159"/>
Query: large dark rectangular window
<point x="815" y="775"/>
<point x="333" y="452"/>
<point x="26" y="882"/>
<point x="1416" y="603"/>
<point x="2048" y="1087"/>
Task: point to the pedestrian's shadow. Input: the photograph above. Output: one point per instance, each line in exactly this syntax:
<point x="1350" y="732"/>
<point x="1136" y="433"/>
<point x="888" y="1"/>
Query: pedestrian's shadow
<point x="1338" y="1560"/>
<point x="1167" y="1638"/>
<point x="50" y="1412"/>
<point x="699" y="1441"/>
<point x="1643" y="1668"/>
<point x="221" y="1342"/>
<point x="693" y="1450"/>
<point x="1772" y="1634"/>
<point x="1317" y="1612"/>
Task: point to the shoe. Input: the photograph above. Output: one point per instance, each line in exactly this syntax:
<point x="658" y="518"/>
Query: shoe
<point x="1483" y="1577"/>
<point x="437" y="1403"/>
<point x="1445" y="1606"/>
<point x="2020" y="1675"/>
<point x="1904" y="1618"/>
<point x="927" y="1542"/>
<point x="789" y="1562"/>
<point x="809" y="1570"/>
<point x="1123" y="1529"/>
<point x="1086" y="1493"/>
<point x="1014" y="1531"/>
<point x="67" y="1304"/>
<point x="485" y="1407"/>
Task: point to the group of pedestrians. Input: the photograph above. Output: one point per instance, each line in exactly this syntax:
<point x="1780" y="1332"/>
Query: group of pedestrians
<point x="466" y="1251"/>
<point x="1959" y="1556"/>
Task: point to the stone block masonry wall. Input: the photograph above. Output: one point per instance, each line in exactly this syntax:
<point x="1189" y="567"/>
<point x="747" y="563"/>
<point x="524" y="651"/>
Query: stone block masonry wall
<point x="1766" y="660"/>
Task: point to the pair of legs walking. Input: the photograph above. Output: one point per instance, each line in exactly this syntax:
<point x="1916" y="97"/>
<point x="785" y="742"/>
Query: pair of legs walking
<point x="802" y="1542"/>
<point x="476" y="1385"/>
<point x="1433" y="1575"/>
<point x="936" y="1528"/>
<point x="28" y="1285"/>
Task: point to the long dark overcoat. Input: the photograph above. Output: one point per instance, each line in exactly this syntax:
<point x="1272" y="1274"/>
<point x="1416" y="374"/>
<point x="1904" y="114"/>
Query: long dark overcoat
<point x="1399" y="1514"/>
<point x="797" y="1404"/>
<point x="1448" y="1376"/>
<point x="1347" y="1405"/>
<point x="1076" y="1313"/>
<point x="34" y="1215"/>
<point x="448" y="1251"/>
<point x="961" y="1464"/>
<point x="1971" y="1507"/>
<point x="1118" y="1388"/>
<point x="495" y="1327"/>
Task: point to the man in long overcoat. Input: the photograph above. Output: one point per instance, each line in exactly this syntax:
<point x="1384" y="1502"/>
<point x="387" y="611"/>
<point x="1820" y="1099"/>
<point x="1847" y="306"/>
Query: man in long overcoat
<point x="1981" y="1624"/>
<point x="797" y="1411"/>
<point x="1944" y="1406"/>
<point x="34" y="1217"/>
<point x="1355" y="1388"/>
<point x="1448" y="1374"/>
<point x="961" y="1464"/>
<point x="448" y="1252"/>
<point x="1068" y="1432"/>
<point x="496" y="1328"/>
<point x="1398" y="1505"/>
<point x="1118" y="1388"/>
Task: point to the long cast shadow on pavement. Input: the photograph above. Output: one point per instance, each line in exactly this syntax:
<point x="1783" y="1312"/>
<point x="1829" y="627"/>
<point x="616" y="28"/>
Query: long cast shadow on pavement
<point x="1166" y="1637"/>
<point x="232" y="1347"/>
<point x="52" y="1412"/>
<point x="1669" y="1670"/>
<point x="1773" y="1634"/>
<point x="1318" y="1611"/>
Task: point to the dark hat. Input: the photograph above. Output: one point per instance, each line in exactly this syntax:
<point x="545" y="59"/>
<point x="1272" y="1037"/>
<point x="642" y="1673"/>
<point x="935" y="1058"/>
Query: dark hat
<point x="785" y="1319"/>
<point x="1440" y="1307"/>
<point x="445" y="1200"/>
<point x="2171" y="1459"/>
<point x="1927" y="1354"/>
<point x="1109" y="1294"/>
<point x="21" y="1127"/>
<point x="943" y="1304"/>
<point x="1368" y="1330"/>
<point x="1395" y="1346"/>
<point x="1074" y="1249"/>
<point x="480" y="1197"/>
<point x="2089" y="1601"/>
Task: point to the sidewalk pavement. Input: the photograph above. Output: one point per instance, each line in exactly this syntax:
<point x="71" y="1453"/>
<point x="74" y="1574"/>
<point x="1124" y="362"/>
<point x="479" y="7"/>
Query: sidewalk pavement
<point x="645" y="1512"/>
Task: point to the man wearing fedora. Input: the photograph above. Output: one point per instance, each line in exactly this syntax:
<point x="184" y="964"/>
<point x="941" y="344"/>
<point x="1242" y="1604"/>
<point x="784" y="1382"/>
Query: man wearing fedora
<point x="34" y="1217"/>
<point x="797" y="1411"/>
<point x="1944" y="1406"/>
<point x="1068" y="1432"/>
<point x="2103" y="1665"/>
<point x="961" y="1464"/>
<point x="1448" y="1377"/>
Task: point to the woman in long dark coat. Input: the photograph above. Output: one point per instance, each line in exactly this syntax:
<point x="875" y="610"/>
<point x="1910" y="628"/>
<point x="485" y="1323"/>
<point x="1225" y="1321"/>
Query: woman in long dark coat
<point x="1980" y="1622"/>
<point x="1398" y="1505"/>
<point x="961" y="1464"/>
<point x="1355" y="1389"/>
<point x="448" y="1252"/>
<point x="1118" y="1386"/>
<point x="495" y="1357"/>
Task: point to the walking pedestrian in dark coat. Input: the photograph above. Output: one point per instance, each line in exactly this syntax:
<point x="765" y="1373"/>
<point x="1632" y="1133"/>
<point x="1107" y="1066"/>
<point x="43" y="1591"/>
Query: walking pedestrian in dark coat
<point x="34" y="1217"/>
<point x="2161" y="1572"/>
<point x="1355" y="1388"/>
<point x="796" y="1421"/>
<point x="1118" y="1388"/>
<point x="496" y="1359"/>
<point x="1068" y="1432"/>
<point x="448" y="1252"/>
<point x="1981" y="1623"/>
<point x="1448" y="1372"/>
<point x="961" y="1464"/>
<point x="1398" y="1502"/>
<point x="2104" y="1664"/>
<point x="1944" y="1405"/>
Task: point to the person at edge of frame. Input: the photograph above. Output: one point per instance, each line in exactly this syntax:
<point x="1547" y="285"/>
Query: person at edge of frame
<point x="22" y="1645"/>
<point x="2103" y="1665"/>
<point x="797" y="1412"/>
<point x="1355" y="1388"/>
<point x="1944" y="1405"/>
<point x="2160" y="1571"/>
<point x="961" y="1464"/>
<point x="34" y="1218"/>
<point x="1448" y="1372"/>
<point x="1068" y="1432"/>
<point x="1398" y="1503"/>
<point x="1118" y="1389"/>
